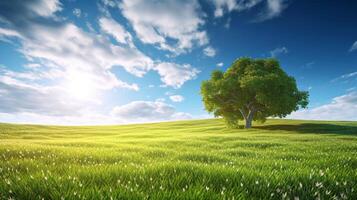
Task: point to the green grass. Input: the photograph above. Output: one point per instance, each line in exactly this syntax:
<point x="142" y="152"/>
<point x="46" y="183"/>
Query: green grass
<point x="198" y="159"/>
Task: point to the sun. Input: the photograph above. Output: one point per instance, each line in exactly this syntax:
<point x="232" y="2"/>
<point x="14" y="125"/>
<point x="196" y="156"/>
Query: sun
<point x="79" y="85"/>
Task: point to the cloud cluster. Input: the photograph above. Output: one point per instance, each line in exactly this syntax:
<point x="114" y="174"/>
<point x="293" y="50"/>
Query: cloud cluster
<point x="172" y="25"/>
<point x="227" y="6"/>
<point x="77" y="58"/>
<point x="77" y="12"/>
<point x="113" y="28"/>
<point x="340" y="108"/>
<point x="346" y="77"/>
<point x="68" y="66"/>
<point x="175" y="75"/>
<point x="19" y="11"/>
<point x="177" y="98"/>
<point x="209" y="51"/>
<point x="145" y="111"/>
<point x="18" y="97"/>
<point x="354" y="46"/>
<point x="220" y="64"/>
<point x="272" y="8"/>
<point x="278" y="51"/>
<point x="57" y="44"/>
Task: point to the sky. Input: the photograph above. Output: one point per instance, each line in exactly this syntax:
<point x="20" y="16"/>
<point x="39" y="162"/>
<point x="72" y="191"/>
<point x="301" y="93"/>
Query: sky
<point x="131" y="61"/>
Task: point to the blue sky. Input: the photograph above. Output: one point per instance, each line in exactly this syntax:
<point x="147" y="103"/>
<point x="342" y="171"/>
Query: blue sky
<point x="108" y="61"/>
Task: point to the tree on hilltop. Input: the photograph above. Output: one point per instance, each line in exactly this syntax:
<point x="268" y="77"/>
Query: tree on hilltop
<point x="252" y="89"/>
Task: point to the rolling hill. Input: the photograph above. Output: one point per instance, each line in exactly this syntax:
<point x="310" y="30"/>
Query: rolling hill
<point x="198" y="159"/>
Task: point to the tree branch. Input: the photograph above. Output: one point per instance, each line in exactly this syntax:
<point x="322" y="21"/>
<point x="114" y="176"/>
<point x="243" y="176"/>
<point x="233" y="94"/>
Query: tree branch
<point x="243" y="113"/>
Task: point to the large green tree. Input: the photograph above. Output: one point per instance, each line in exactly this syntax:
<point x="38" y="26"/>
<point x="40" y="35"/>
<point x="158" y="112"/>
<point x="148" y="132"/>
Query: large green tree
<point x="252" y="89"/>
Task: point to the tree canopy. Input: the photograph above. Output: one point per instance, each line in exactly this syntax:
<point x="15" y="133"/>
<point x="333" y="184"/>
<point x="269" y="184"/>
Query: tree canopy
<point x="252" y="89"/>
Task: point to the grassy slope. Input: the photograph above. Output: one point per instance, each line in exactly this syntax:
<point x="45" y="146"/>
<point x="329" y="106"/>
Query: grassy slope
<point x="189" y="159"/>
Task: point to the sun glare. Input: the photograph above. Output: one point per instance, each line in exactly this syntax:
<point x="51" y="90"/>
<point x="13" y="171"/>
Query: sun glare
<point x="79" y="86"/>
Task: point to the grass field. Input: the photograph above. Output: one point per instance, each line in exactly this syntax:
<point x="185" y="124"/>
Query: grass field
<point x="180" y="160"/>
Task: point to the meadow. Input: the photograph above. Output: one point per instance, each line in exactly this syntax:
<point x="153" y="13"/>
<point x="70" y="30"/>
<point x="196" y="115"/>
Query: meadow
<point x="198" y="159"/>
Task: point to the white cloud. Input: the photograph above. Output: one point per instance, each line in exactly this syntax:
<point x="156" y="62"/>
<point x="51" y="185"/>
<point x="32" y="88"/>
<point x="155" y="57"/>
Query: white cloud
<point x="274" y="8"/>
<point x="340" y="108"/>
<point x="34" y="103"/>
<point x="172" y="25"/>
<point x="350" y="75"/>
<point x="85" y="52"/>
<point x="72" y="66"/>
<point x="8" y="33"/>
<point x="45" y="8"/>
<point x="220" y="64"/>
<point x="48" y="42"/>
<point x="177" y="98"/>
<point x="278" y="51"/>
<point x="209" y="51"/>
<point x="175" y="75"/>
<point x="354" y="46"/>
<point x="147" y="111"/>
<point x="77" y="12"/>
<point x="94" y="55"/>
<point x="345" y="77"/>
<point x="113" y="28"/>
<point x="19" y="97"/>
<point x="20" y="11"/>
<point x="223" y="6"/>
<point x="109" y="3"/>
<point x="32" y="65"/>
<point x="32" y="75"/>
<point x="66" y="63"/>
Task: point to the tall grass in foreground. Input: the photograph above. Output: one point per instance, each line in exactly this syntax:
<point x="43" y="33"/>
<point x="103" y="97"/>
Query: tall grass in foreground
<point x="282" y="159"/>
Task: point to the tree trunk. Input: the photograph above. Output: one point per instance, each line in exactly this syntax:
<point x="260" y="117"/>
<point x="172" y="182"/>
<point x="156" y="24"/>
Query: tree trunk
<point x="248" y="123"/>
<point x="249" y="119"/>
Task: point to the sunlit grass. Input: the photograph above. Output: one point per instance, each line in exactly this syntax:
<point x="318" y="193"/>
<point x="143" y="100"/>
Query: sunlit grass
<point x="188" y="160"/>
